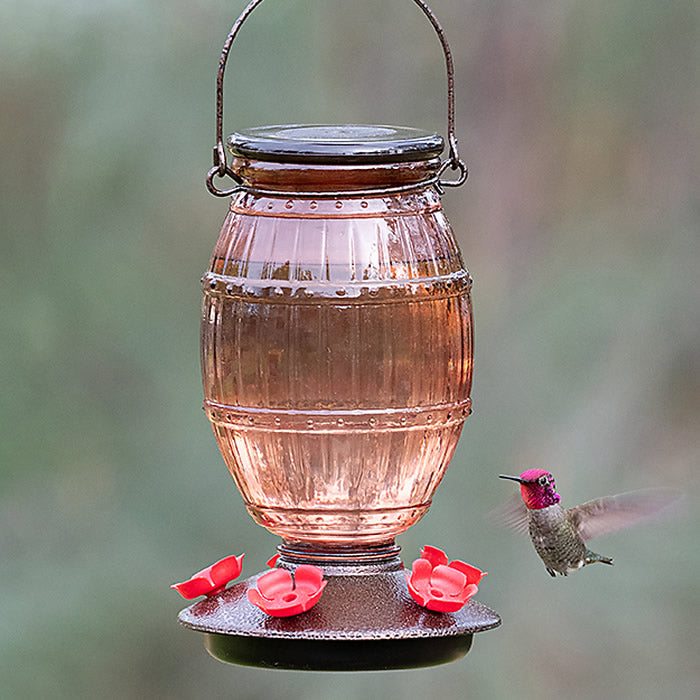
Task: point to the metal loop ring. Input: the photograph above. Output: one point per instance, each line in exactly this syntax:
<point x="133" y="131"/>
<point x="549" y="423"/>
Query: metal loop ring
<point x="214" y="189"/>
<point x="458" y="165"/>
<point x="219" y="151"/>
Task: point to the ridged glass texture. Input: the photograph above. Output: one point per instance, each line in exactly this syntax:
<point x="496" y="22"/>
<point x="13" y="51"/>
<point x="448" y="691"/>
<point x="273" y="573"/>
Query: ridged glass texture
<point x="337" y="360"/>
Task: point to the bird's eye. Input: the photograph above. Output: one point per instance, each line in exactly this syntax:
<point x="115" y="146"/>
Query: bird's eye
<point x="542" y="481"/>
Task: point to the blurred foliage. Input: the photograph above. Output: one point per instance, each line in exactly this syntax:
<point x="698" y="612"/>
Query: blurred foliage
<point x="580" y="223"/>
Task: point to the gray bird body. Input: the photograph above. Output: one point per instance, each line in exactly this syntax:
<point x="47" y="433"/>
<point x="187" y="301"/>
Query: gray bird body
<point x="556" y="539"/>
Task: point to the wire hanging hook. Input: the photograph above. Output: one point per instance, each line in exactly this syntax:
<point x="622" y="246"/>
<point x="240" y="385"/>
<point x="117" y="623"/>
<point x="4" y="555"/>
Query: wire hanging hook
<point x="221" y="167"/>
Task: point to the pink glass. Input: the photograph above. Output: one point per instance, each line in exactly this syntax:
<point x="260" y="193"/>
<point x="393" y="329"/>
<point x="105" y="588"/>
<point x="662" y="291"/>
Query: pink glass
<point x="336" y="349"/>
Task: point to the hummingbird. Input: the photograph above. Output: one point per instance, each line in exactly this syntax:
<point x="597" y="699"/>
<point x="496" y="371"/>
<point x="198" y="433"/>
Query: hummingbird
<point x="559" y="534"/>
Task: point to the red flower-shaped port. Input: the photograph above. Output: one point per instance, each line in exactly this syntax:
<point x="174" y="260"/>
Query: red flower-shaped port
<point x="211" y="580"/>
<point x="281" y="595"/>
<point x="440" y="585"/>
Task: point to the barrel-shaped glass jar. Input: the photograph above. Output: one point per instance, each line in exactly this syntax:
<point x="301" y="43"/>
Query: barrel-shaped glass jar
<point x="336" y="331"/>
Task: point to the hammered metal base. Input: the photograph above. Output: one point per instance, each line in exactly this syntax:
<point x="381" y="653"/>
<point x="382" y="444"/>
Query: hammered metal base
<point x="365" y="620"/>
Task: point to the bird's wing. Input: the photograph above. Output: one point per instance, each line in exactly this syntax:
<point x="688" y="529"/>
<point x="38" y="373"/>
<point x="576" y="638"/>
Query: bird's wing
<point x="512" y="514"/>
<point x="611" y="513"/>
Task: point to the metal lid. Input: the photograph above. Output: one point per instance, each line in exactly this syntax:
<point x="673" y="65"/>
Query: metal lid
<point x="335" y="143"/>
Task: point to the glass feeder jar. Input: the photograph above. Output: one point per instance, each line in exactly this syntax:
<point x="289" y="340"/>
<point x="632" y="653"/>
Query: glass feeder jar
<point x="337" y="354"/>
<point x="336" y="331"/>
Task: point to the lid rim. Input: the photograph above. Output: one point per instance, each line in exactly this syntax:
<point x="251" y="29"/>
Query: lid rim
<point x="335" y="143"/>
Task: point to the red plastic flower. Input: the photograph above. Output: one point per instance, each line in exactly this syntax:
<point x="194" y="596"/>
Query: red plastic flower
<point x="211" y="580"/>
<point x="281" y="595"/>
<point x="441" y="586"/>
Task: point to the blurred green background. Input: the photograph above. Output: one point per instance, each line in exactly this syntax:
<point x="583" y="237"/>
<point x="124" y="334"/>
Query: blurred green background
<point x="580" y="223"/>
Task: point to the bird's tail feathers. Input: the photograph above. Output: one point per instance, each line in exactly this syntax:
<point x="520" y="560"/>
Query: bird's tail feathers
<point x="592" y="557"/>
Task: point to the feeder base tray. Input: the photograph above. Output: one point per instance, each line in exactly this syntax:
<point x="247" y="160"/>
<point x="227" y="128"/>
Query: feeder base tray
<point x="365" y="620"/>
<point x="339" y="655"/>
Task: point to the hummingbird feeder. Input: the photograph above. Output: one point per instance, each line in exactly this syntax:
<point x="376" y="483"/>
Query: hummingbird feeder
<point x="336" y="346"/>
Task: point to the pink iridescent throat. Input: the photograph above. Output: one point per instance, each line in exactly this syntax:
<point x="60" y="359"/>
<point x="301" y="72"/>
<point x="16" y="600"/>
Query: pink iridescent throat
<point x="536" y="496"/>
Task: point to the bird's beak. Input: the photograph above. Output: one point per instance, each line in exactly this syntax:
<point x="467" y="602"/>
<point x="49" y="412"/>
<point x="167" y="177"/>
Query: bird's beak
<point x="512" y="478"/>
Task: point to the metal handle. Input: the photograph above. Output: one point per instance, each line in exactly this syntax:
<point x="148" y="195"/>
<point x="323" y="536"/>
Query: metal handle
<point x="221" y="167"/>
